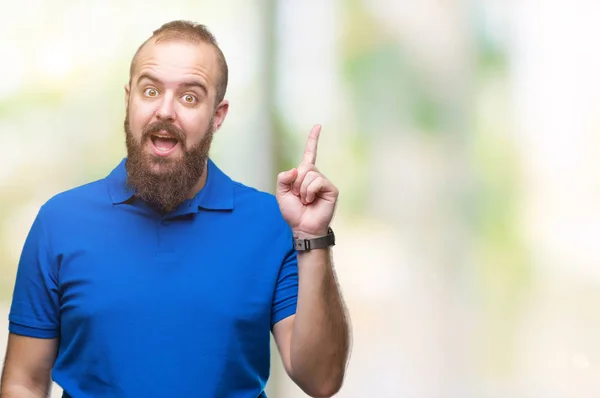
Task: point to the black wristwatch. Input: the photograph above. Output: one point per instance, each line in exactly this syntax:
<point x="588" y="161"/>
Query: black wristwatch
<point x="321" y="242"/>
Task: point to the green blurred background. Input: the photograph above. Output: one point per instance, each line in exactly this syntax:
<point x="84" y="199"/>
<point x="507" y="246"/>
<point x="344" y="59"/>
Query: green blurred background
<point x="463" y="136"/>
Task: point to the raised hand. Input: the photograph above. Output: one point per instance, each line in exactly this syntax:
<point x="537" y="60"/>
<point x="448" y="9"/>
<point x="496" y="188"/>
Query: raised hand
<point x="307" y="199"/>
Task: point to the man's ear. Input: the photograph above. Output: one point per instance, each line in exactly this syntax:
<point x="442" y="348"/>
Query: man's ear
<point x="127" y="88"/>
<point x="220" y="114"/>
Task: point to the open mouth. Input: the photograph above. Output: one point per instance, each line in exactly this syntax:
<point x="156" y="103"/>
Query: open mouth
<point x="163" y="144"/>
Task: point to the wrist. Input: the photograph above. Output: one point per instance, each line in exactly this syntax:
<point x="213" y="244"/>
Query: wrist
<point x="309" y="235"/>
<point x="304" y="241"/>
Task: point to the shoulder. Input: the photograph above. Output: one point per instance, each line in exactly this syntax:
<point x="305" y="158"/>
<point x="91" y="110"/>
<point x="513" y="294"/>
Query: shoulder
<point x="258" y="213"/>
<point x="75" y="199"/>
<point x="257" y="207"/>
<point x="247" y="196"/>
<point x="244" y="192"/>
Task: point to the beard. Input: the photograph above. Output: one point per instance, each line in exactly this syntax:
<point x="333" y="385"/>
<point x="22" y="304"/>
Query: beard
<point x="172" y="183"/>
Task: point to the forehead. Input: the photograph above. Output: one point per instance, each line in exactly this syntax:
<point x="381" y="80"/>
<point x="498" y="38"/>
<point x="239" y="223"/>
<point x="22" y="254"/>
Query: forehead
<point x="173" y="61"/>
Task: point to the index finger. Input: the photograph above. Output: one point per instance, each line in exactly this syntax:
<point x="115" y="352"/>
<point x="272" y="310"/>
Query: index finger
<point x="310" y="152"/>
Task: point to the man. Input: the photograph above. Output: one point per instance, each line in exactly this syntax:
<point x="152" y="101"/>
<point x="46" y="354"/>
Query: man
<point x="166" y="278"/>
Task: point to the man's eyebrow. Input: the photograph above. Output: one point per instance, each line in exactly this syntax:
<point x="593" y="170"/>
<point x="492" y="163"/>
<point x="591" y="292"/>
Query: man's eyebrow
<point x="191" y="83"/>
<point x="195" y="83"/>
<point x="147" y="77"/>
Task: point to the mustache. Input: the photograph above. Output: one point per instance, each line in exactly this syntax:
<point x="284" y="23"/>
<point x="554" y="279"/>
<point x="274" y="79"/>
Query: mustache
<point x="167" y="127"/>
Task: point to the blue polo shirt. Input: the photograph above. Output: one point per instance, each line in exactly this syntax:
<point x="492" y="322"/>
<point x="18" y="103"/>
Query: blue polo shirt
<point x="157" y="305"/>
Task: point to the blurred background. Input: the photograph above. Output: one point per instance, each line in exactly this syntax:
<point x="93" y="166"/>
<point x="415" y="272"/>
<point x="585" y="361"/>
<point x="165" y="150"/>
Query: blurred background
<point x="463" y="135"/>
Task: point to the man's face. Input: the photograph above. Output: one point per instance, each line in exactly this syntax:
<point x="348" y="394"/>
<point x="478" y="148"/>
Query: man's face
<point x="171" y="118"/>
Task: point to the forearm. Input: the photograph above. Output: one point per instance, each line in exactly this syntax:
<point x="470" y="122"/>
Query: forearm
<point x="321" y="337"/>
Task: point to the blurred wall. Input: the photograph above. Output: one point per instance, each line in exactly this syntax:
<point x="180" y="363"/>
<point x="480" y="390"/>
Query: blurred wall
<point x="463" y="136"/>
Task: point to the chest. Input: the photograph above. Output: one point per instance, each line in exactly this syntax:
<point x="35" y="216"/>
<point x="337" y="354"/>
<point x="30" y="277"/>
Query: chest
<point x="173" y="273"/>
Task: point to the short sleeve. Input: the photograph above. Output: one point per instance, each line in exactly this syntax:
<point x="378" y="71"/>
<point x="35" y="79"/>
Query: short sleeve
<point x="35" y="309"/>
<point x="286" y="291"/>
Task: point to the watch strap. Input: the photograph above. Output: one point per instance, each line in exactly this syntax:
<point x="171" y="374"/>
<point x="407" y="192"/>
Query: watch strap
<point x="315" y="243"/>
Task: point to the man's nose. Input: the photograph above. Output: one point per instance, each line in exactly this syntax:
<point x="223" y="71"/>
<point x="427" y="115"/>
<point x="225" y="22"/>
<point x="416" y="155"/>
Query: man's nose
<point x="166" y="109"/>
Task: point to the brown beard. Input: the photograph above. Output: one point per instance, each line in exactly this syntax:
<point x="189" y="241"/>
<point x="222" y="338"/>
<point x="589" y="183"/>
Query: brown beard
<point x="173" y="183"/>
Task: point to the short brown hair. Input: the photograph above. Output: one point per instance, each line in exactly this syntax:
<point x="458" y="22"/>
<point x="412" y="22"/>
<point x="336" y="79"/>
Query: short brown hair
<point x="194" y="32"/>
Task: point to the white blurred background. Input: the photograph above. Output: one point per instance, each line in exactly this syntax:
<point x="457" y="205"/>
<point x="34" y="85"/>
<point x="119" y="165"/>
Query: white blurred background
<point x="463" y="135"/>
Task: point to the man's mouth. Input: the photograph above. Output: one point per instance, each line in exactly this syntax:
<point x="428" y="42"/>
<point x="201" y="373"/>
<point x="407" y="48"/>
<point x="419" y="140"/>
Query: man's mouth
<point x="163" y="144"/>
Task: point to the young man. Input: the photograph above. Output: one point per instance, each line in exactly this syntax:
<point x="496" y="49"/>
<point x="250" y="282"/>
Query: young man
<point x="166" y="278"/>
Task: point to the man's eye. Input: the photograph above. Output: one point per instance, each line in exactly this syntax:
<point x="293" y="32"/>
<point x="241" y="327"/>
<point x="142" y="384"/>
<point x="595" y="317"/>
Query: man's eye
<point x="150" y="92"/>
<point x="189" y="99"/>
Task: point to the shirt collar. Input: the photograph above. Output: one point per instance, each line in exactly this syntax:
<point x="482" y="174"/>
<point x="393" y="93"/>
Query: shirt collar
<point x="217" y="193"/>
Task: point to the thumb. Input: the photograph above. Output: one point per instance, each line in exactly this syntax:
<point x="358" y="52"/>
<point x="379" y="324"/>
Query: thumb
<point x="285" y="180"/>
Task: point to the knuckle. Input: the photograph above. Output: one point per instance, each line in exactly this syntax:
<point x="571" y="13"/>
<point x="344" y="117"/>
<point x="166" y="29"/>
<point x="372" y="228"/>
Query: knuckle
<point x="313" y="174"/>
